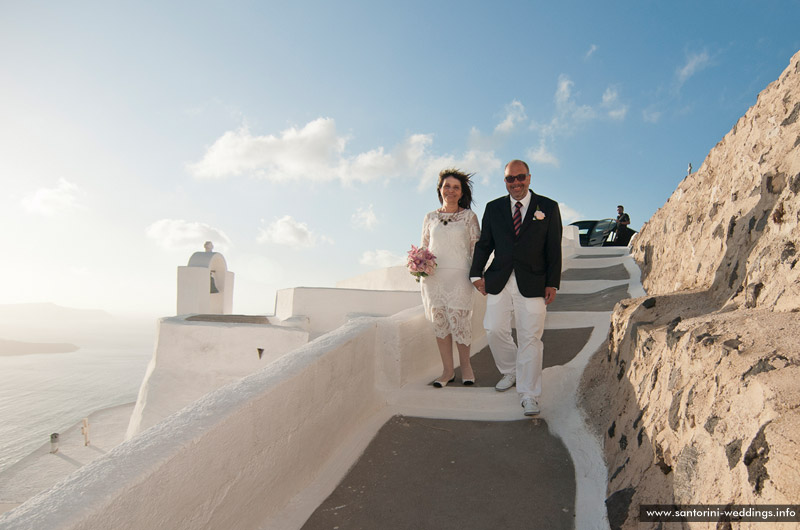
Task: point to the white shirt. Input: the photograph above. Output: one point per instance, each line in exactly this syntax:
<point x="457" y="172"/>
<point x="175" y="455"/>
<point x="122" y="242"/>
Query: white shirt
<point x="526" y="201"/>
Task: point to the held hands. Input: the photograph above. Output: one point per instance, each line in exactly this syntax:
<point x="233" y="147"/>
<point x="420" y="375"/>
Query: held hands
<point x="549" y="295"/>
<point x="480" y="285"/>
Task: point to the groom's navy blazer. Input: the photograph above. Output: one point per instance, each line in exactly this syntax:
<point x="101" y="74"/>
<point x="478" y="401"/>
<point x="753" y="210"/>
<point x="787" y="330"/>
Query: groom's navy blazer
<point x="534" y="255"/>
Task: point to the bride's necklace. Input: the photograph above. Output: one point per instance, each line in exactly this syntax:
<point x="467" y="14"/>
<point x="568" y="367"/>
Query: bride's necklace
<point x="444" y="220"/>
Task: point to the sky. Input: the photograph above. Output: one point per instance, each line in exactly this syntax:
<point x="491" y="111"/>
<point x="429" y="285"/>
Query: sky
<point x="304" y="138"/>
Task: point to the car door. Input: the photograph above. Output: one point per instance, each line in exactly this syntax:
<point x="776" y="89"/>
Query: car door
<point x="600" y="232"/>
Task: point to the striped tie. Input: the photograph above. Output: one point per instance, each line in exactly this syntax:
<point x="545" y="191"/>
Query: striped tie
<point x="517" y="217"/>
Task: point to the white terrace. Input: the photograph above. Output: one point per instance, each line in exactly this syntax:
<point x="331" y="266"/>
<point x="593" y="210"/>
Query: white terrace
<point x="281" y="426"/>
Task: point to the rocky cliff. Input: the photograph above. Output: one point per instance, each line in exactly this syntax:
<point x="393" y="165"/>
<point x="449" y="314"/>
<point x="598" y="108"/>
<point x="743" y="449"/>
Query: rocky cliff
<point x="696" y="393"/>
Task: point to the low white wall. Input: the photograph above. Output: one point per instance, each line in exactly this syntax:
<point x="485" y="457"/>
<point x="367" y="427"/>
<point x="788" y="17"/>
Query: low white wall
<point x="570" y="241"/>
<point x="388" y="279"/>
<point x="237" y="456"/>
<point x="407" y="345"/>
<point x="231" y="459"/>
<point x="329" y="308"/>
<point x="192" y="358"/>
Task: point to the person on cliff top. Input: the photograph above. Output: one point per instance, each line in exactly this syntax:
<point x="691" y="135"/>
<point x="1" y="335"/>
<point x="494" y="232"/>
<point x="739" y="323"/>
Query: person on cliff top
<point x="523" y="230"/>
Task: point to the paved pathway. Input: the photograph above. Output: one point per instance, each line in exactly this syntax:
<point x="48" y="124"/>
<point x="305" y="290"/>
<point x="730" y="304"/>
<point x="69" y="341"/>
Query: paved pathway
<point x="476" y="471"/>
<point x="420" y="473"/>
<point x="42" y="469"/>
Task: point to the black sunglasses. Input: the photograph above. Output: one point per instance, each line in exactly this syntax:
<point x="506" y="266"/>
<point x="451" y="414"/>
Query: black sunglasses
<point x="519" y="178"/>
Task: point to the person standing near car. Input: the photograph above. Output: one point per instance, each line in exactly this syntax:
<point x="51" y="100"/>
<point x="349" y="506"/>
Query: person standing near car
<point x="622" y="233"/>
<point x="523" y="230"/>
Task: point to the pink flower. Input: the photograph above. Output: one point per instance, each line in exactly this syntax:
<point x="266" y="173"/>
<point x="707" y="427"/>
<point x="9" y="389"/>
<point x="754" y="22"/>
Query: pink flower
<point x="538" y="214"/>
<point x="421" y="262"/>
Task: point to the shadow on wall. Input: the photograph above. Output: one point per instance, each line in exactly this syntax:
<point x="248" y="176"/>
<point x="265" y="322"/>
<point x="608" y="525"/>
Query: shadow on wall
<point x="669" y="395"/>
<point x="740" y="236"/>
<point x="730" y="276"/>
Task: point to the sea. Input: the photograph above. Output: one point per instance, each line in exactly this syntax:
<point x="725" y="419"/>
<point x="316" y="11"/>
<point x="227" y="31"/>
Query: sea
<point x="45" y="393"/>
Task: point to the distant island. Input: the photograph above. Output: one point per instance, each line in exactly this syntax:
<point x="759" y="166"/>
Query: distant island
<point x="16" y="347"/>
<point x="48" y="311"/>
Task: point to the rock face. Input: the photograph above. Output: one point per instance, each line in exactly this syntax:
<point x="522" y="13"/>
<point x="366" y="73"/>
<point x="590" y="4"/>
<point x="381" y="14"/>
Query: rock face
<point x="696" y="393"/>
<point x="731" y="227"/>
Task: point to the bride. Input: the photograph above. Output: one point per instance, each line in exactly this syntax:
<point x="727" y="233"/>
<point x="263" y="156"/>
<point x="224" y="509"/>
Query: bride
<point x="450" y="233"/>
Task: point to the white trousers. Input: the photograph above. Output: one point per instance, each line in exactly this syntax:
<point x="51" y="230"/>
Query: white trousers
<point x="525" y="358"/>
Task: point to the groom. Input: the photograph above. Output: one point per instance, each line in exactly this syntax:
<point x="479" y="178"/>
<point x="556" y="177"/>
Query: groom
<point x="524" y="232"/>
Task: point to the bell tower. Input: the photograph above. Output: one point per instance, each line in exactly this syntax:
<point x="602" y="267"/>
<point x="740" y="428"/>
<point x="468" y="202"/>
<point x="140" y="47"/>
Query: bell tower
<point x="205" y="285"/>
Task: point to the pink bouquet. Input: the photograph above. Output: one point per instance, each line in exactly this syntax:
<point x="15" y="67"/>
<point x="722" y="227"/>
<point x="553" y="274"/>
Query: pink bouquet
<point x="421" y="262"/>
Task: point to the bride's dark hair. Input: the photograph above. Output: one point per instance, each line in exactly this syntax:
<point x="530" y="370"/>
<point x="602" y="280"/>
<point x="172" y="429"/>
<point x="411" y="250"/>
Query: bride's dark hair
<point x="466" y="186"/>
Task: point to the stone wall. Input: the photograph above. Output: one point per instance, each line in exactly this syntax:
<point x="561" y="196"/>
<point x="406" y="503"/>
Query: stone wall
<point x="695" y="392"/>
<point x="731" y="227"/>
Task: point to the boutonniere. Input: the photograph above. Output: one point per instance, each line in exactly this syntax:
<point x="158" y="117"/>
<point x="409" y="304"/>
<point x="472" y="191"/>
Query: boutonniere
<point x="538" y="214"/>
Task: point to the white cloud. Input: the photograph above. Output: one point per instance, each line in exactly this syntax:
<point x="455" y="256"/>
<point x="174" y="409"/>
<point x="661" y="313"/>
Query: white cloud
<point x="483" y="164"/>
<point x="177" y="234"/>
<point x="289" y="232"/>
<point x="563" y="91"/>
<point x="592" y="49"/>
<point x="515" y="113"/>
<point x="406" y="159"/>
<point x="616" y="110"/>
<point x="483" y="146"/>
<point x="651" y="116"/>
<point x="476" y="139"/>
<point x="364" y="218"/>
<point x="569" y="115"/>
<point x="312" y="152"/>
<point x="381" y="258"/>
<point x="695" y="62"/>
<point x="542" y="155"/>
<point x="569" y="215"/>
<point x="610" y="97"/>
<point x="618" y="113"/>
<point x="669" y="100"/>
<point x="52" y="201"/>
<point x="316" y="152"/>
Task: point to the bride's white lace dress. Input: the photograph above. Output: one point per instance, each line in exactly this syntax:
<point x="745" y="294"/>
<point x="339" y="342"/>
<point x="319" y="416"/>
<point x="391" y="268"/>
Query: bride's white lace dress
<point x="447" y="293"/>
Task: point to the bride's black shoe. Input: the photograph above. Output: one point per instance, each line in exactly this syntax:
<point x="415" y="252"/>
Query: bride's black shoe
<point x="442" y="384"/>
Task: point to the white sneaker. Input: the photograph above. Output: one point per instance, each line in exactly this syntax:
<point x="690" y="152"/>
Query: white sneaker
<point x="506" y="382"/>
<point x="531" y="406"/>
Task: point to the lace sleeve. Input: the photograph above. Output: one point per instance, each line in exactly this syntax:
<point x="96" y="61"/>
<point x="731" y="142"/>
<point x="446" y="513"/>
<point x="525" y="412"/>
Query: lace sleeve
<point x="474" y="233"/>
<point x="426" y="232"/>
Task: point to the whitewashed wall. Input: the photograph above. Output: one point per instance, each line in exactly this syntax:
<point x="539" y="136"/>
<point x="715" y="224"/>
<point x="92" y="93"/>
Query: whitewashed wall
<point x="193" y="358"/>
<point x="329" y="308"/>
<point x="234" y="458"/>
<point x="570" y="241"/>
<point x="387" y="279"/>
